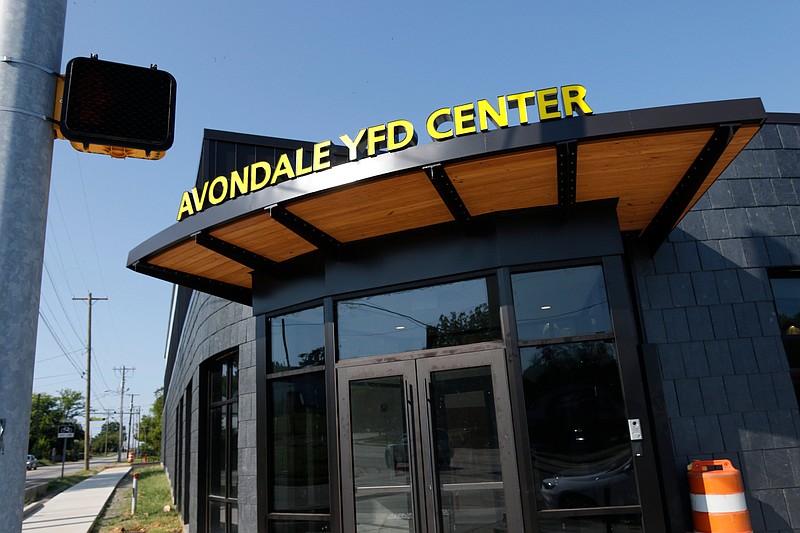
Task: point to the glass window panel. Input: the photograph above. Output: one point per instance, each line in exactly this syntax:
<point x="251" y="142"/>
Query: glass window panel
<point x="591" y="524"/>
<point x="217" y="377"/>
<point x="233" y="371"/>
<point x="299" y="444"/>
<point x="430" y="317"/>
<point x="561" y="303"/>
<point x="298" y="340"/>
<point x="381" y="453"/>
<point x="233" y="450"/>
<point x="217" y="419"/>
<point x="234" y="521"/>
<point x="216" y="517"/>
<point x="577" y="426"/>
<point x="787" y="302"/>
<point x="467" y="450"/>
<point x="301" y="526"/>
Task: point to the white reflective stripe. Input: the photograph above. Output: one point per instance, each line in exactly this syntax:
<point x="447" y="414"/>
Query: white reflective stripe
<point x="718" y="503"/>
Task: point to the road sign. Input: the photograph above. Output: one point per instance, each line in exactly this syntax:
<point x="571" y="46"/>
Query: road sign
<point x="66" y="432"/>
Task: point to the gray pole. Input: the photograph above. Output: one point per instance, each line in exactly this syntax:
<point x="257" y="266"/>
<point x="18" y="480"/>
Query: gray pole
<point x="87" y="434"/>
<point x="31" y="39"/>
<point x="121" y="415"/>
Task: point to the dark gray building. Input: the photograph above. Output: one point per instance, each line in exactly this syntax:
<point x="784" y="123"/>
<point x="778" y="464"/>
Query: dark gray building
<point x="534" y="328"/>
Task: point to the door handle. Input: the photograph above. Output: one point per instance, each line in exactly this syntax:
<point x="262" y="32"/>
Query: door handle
<point x="433" y="445"/>
<point x="412" y="457"/>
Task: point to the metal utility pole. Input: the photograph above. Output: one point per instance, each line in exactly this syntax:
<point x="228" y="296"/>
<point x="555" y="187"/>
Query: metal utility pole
<point x="87" y="433"/>
<point x="130" y="422"/>
<point x="122" y="371"/>
<point x="31" y="39"/>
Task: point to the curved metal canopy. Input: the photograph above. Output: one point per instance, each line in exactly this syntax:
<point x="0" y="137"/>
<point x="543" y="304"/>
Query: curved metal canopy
<point x="655" y="162"/>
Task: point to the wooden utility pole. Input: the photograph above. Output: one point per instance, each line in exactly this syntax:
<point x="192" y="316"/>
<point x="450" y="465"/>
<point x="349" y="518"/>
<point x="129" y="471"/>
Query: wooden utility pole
<point x="87" y="433"/>
<point x="122" y="371"/>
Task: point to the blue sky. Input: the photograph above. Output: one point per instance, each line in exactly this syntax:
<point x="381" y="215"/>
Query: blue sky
<point x="314" y="70"/>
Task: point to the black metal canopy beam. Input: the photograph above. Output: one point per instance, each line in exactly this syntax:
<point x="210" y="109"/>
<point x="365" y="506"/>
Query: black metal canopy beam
<point x="677" y="202"/>
<point x="447" y="191"/>
<point x="307" y="231"/>
<point x="217" y="288"/>
<point x="233" y="252"/>
<point x="567" y="168"/>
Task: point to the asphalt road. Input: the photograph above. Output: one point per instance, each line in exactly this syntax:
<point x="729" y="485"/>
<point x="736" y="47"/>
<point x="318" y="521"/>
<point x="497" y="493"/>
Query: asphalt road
<point x="47" y="473"/>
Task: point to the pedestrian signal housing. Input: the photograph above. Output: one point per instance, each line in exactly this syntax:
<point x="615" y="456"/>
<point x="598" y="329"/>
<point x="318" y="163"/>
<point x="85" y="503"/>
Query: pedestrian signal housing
<point x="117" y="109"/>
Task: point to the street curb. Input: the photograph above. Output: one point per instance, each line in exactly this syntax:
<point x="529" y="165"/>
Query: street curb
<point x="34" y="491"/>
<point x="31" y="508"/>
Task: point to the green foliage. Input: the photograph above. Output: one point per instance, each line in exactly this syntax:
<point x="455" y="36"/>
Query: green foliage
<point x="47" y="413"/>
<point x="108" y="438"/>
<point x="150" y="427"/>
<point x="151" y="516"/>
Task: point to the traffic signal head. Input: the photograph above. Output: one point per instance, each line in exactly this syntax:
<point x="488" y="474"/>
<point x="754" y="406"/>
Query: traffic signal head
<point x="119" y="106"/>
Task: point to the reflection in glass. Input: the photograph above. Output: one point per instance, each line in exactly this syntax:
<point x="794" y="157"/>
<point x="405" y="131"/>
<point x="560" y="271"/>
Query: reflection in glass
<point x="217" y="421"/>
<point x="299" y="526"/>
<point x="380" y="455"/>
<point x="577" y="426"/>
<point x="786" y="292"/>
<point x="592" y="524"/>
<point x="298" y="340"/>
<point x="467" y="451"/>
<point x="299" y="445"/>
<point x="233" y="450"/>
<point x="216" y="516"/>
<point x="234" y="525"/>
<point x="561" y="303"/>
<point x="218" y="377"/>
<point x="430" y="317"/>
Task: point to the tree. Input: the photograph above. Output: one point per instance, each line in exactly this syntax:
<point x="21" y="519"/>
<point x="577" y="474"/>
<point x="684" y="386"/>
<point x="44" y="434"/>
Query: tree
<point x="108" y="438"/>
<point x="47" y="414"/>
<point x="70" y="402"/>
<point x="150" y="427"/>
<point x="45" y="417"/>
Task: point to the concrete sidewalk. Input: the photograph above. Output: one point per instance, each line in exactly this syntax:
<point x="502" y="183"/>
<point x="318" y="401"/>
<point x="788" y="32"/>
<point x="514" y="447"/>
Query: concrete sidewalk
<point x="76" y="509"/>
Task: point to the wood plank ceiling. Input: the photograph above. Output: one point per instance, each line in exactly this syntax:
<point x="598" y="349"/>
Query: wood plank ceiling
<point x="642" y="171"/>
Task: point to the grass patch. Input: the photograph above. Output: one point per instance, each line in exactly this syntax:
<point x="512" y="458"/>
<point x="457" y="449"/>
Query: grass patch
<point x="150" y="517"/>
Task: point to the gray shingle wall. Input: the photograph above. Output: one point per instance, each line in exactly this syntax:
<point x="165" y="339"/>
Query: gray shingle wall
<point x="213" y="326"/>
<point x="708" y="307"/>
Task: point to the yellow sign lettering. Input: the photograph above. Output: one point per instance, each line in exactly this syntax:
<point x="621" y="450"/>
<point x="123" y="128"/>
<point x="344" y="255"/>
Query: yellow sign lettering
<point x="256" y="185"/>
<point x="574" y="97"/>
<point x="519" y="101"/>
<point x="486" y="113"/>
<point x="299" y="169"/>
<point x="322" y="152"/>
<point x="186" y="206"/>
<point x="547" y="102"/>
<point x="435" y="120"/>
<point x="355" y="146"/>
<point x="376" y="139"/>
<point x="395" y="130"/>
<point x="464" y="119"/>
<point x="282" y="168"/>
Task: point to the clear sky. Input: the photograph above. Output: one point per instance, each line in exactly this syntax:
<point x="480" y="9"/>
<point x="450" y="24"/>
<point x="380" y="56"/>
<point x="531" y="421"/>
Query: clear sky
<point x="314" y="70"/>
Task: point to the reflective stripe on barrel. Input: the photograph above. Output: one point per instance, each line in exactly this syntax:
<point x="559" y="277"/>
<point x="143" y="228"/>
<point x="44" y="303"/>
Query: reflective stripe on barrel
<point x="717" y="495"/>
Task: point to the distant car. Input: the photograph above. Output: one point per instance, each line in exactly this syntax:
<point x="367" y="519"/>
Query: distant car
<point x="32" y="463"/>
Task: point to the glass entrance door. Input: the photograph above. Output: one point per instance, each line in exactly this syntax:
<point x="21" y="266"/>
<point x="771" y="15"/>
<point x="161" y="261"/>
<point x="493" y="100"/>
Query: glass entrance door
<point x="427" y="446"/>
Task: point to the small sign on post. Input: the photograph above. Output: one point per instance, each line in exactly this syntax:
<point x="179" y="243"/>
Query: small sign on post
<point x="65" y="432"/>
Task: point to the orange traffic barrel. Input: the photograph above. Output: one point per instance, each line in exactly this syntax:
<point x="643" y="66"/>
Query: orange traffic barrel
<point x="130" y="456"/>
<point x="717" y="493"/>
